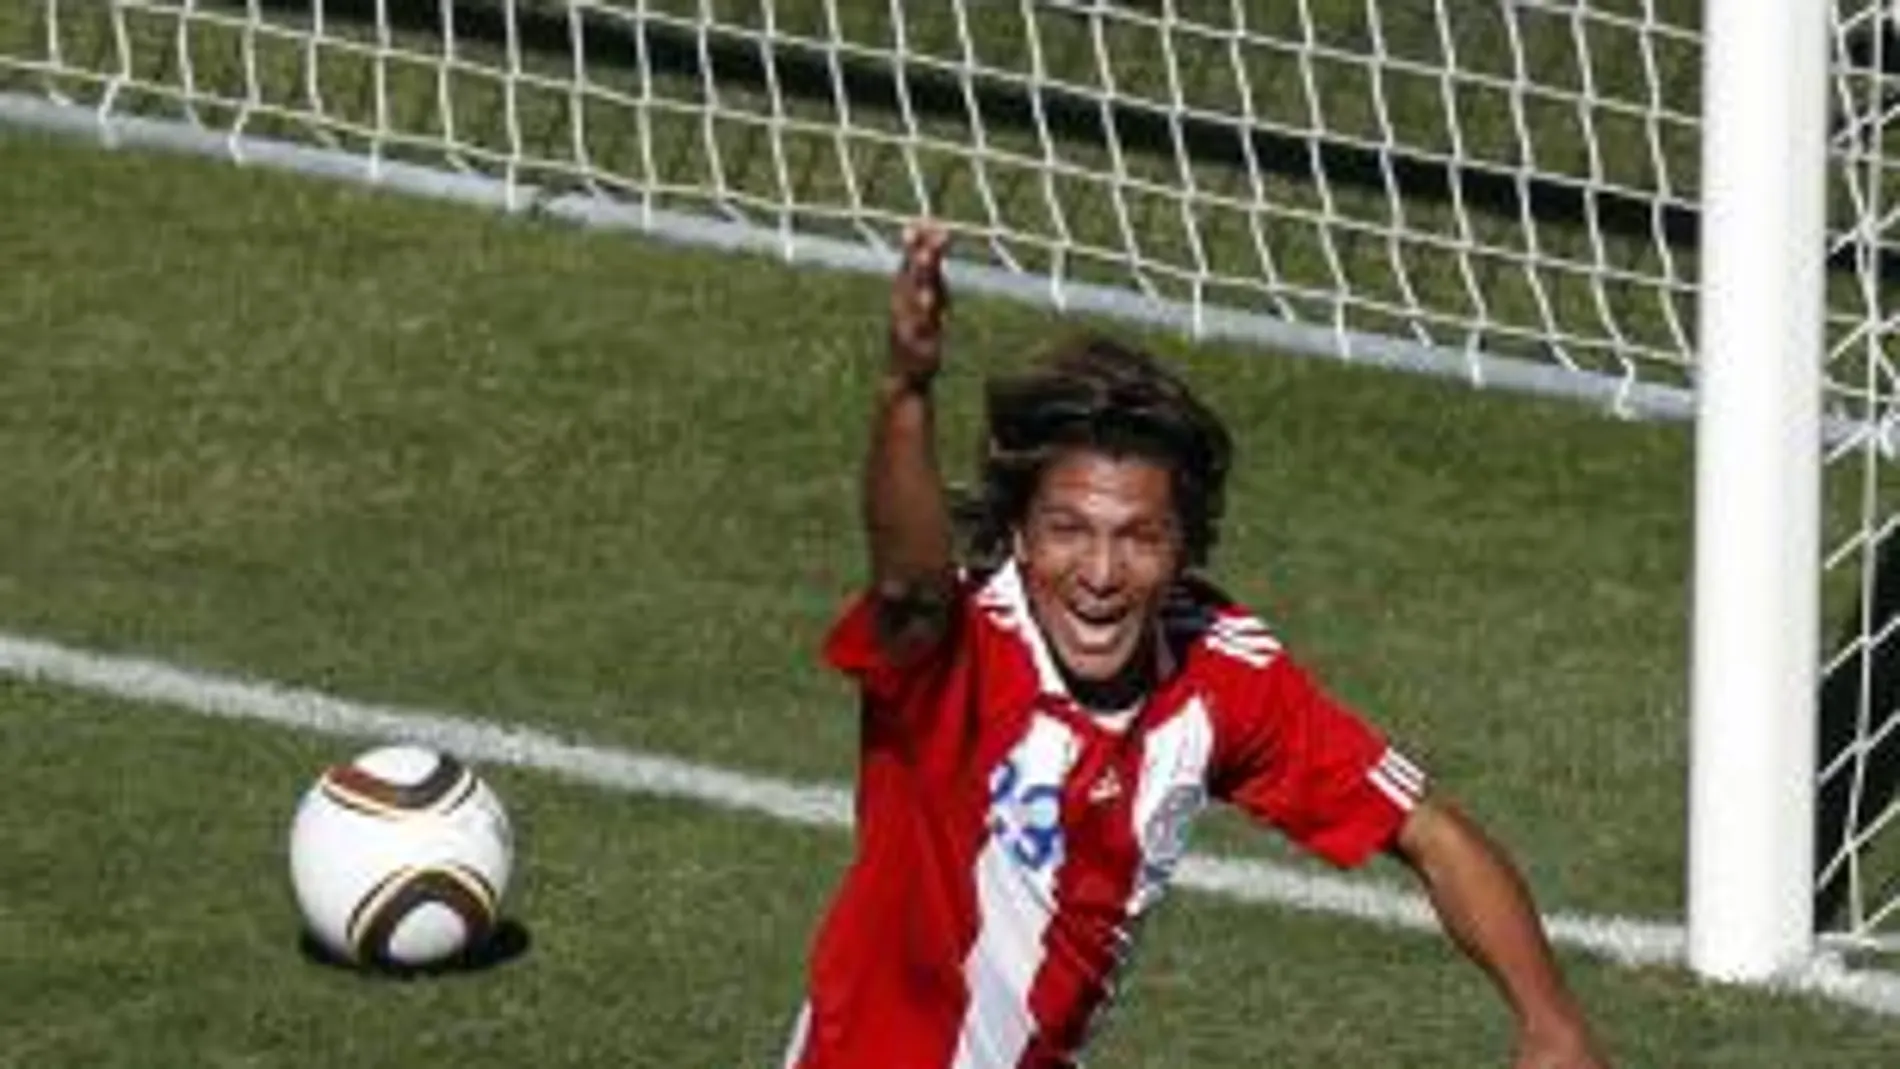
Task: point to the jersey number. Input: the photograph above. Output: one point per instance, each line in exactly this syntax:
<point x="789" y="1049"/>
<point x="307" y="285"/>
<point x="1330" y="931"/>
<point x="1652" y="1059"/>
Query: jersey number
<point x="1025" y="818"/>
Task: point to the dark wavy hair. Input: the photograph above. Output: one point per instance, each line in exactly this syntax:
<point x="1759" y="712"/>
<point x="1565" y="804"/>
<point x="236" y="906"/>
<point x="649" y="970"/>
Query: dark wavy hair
<point x="1093" y="393"/>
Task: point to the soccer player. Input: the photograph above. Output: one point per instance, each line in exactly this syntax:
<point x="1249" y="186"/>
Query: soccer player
<point x="1042" y="718"/>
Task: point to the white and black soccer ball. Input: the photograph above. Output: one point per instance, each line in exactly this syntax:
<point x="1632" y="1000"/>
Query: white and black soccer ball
<point x="400" y="858"/>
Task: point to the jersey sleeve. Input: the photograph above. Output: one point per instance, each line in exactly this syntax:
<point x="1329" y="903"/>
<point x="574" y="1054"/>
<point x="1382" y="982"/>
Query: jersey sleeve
<point x="1300" y="762"/>
<point x="852" y="648"/>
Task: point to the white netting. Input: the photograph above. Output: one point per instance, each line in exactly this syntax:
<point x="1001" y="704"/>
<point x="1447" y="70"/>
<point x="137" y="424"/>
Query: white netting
<point x="1513" y="177"/>
<point x="1857" y="850"/>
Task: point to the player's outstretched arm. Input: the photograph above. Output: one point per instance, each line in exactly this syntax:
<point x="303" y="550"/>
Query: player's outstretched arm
<point x="907" y="518"/>
<point x="1485" y="907"/>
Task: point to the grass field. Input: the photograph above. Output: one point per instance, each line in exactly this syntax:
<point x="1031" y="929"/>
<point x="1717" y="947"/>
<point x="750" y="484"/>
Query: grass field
<point x="404" y="452"/>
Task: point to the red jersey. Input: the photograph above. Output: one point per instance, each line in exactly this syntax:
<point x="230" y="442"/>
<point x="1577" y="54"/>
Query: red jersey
<point x="1009" y="842"/>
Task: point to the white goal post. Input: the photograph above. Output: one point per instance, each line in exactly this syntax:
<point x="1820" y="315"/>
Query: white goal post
<point x="1646" y="205"/>
<point x="1757" y="503"/>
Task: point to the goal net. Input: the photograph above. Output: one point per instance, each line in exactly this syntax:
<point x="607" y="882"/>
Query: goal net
<point x="1502" y="191"/>
<point x="1440" y="185"/>
<point x="1857" y="849"/>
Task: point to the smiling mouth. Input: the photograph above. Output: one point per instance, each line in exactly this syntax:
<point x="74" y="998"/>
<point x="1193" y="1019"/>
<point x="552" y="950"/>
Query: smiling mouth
<point x="1097" y="627"/>
<point x="1104" y="615"/>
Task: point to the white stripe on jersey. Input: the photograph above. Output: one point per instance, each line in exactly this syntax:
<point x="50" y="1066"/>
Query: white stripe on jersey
<point x="801" y="1027"/>
<point x="1243" y="638"/>
<point x="1172" y="791"/>
<point x="1398" y="779"/>
<point x="1241" y="624"/>
<point x="1015" y="891"/>
<point x="1007" y="602"/>
<point x="1403" y="771"/>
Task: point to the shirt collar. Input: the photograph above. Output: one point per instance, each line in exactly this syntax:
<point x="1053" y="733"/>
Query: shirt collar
<point x="1004" y="593"/>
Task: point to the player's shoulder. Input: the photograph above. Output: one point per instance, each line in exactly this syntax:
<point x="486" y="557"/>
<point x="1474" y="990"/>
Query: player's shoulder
<point x="1199" y="616"/>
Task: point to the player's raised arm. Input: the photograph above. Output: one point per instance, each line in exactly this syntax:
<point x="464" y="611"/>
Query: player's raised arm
<point x="907" y="518"/>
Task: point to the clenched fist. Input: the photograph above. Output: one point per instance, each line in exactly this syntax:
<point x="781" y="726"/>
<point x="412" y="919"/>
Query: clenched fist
<point x="918" y="302"/>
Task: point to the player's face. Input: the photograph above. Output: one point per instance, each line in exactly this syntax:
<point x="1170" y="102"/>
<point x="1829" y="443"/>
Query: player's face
<point x="1098" y="549"/>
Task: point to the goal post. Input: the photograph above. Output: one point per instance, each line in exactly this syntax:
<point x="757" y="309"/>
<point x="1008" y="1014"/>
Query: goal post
<point x="1657" y="207"/>
<point x="1757" y="503"/>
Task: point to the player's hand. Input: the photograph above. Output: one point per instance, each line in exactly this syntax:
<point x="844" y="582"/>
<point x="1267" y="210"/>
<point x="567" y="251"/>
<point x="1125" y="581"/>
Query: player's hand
<point x="1560" y="1045"/>
<point x="918" y="302"/>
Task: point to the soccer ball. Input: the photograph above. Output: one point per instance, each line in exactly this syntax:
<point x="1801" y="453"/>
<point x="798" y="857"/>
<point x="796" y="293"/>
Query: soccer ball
<point x="400" y="859"/>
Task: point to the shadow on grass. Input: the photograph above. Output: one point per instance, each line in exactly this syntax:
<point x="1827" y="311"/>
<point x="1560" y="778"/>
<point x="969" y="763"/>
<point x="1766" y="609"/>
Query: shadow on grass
<point x="510" y="941"/>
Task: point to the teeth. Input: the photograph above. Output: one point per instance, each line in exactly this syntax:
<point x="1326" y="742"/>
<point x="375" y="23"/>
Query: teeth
<point x="1096" y="630"/>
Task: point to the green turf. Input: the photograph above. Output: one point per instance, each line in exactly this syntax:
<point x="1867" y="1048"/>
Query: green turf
<point x="413" y="454"/>
<point x="424" y="455"/>
<point x="408" y="452"/>
<point x="145" y="920"/>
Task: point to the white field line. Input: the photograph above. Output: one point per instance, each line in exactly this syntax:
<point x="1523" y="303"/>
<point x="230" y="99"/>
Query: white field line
<point x="1623" y="940"/>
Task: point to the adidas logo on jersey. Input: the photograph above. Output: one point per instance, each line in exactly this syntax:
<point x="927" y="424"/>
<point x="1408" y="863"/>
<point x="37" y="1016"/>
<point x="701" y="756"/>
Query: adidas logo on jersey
<point x="1106" y="788"/>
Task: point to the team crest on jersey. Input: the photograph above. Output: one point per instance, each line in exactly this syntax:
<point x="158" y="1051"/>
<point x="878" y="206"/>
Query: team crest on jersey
<point x="1165" y="838"/>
